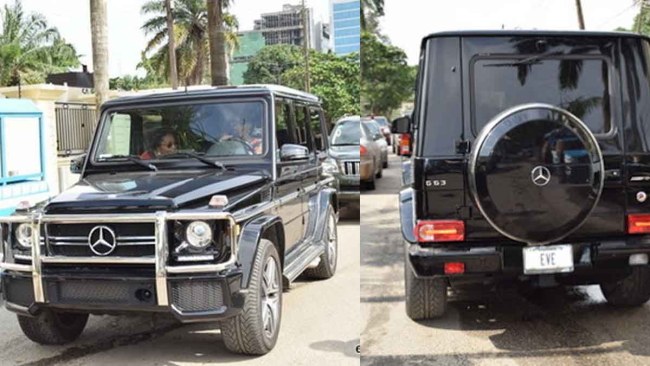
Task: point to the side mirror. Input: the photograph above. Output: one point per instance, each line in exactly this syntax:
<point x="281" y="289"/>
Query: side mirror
<point x="292" y="152"/>
<point x="76" y="164"/>
<point x="401" y="125"/>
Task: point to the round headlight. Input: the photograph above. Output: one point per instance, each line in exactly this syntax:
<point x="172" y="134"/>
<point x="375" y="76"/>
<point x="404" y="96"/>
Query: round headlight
<point x="198" y="234"/>
<point x="24" y="235"/>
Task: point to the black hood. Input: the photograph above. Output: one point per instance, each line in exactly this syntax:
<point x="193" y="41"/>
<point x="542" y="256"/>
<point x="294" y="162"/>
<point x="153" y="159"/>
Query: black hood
<point x="151" y="191"/>
<point x="347" y="152"/>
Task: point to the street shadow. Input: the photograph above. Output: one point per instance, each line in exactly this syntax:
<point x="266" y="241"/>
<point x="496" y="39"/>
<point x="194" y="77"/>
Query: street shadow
<point x="546" y="321"/>
<point x="348" y="348"/>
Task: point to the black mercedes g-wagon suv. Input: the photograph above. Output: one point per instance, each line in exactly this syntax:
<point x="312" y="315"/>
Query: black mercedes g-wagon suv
<point x="531" y="162"/>
<point x="205" y="204"/>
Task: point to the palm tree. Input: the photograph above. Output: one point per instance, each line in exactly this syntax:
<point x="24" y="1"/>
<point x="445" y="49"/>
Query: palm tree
<point x="99" y="33"/>
<point x="191" y="36"/>
<point x="218" y="61"/>
<point x="30" y="48"/>
<point x="371" y="10"/>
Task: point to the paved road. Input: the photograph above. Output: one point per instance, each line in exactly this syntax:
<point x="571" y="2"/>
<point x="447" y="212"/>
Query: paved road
<point x="483" y="327"/>
<point x="320" y="326"/>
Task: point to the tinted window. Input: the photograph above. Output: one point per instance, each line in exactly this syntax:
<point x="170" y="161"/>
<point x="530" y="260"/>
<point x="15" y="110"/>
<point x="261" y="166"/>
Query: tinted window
<point x="346" y="133"/>
<point x="302" y="135"/>
<point x="282" y="123"/>
<point x="316" y="129"/>
<point x="577" y="85"/>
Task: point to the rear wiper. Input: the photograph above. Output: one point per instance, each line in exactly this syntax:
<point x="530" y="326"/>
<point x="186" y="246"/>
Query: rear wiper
<point x="134" y="158"/>
<point x="197" y="157"/>
<point x="528" y="60"/>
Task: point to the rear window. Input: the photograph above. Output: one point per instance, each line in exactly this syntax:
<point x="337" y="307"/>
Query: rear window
<point x="578" y="85"/>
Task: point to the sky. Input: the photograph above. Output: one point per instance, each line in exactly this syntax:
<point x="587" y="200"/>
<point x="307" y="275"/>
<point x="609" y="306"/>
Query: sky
<point x="125" y="39"/>
<point x="407" y="21"/>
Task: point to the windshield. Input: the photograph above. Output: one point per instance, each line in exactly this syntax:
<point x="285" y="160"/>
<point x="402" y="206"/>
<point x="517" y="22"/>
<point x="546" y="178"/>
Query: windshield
<point x="346" y="133"/>
<point x="382" y="121"/>
<point x="219" y="129"/>
<point x="373" y="127"/>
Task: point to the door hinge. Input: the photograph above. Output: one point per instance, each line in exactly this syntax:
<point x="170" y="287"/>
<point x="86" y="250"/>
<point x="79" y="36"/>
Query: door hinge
<point x="462" y="146"/>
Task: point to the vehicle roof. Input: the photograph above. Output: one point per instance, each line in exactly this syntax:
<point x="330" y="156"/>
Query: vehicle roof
<point x="530" y="33"/>
<point x="212" y="91"/>
<point x="349" y="118"/>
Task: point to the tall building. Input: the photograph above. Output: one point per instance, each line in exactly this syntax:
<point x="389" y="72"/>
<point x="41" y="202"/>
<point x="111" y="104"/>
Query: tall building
<point x="250" y="43"/>
<point x="286" y="26"/>
<point x="345" y="26"/>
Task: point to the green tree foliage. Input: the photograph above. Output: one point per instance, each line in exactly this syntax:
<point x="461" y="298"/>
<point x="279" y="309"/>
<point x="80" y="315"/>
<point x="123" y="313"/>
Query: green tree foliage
<point x="386" y="79"/>
<point x="270" y="63"/>
<point x="29" y="48"/>
<point x="334" y="79"/>
<point x="191" y="35"/>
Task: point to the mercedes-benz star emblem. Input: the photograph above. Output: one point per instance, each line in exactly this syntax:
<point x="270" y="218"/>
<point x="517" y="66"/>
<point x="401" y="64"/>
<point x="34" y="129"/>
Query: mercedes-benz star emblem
<point x="540" y="175"/>
<point x="102" y="240"/>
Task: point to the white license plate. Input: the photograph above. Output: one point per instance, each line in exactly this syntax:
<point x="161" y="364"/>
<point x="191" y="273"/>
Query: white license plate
<point x="548" y="259"/>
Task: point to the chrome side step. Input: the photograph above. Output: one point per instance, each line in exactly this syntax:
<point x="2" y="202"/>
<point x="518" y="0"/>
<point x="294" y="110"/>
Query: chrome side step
<point x="303" y="261"/>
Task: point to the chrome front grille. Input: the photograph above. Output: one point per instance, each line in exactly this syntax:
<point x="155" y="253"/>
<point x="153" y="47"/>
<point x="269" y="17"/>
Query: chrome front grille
<point x="133" y="240"/>
<point x="351" y="167"/>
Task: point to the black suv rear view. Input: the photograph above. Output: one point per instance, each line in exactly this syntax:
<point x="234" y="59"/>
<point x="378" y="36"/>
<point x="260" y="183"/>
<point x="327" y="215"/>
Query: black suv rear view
<point x="531" y="161"/>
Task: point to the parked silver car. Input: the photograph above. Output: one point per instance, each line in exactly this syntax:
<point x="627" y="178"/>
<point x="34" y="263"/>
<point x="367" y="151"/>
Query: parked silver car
<point x="377" y="136"/>
<point x="371" y="155"/>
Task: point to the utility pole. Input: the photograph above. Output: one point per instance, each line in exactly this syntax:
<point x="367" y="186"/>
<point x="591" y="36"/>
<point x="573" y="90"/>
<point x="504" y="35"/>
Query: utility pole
<point x="305" y="37"/>
<point x="173" y="71"/>
<point x="581" y="19"/>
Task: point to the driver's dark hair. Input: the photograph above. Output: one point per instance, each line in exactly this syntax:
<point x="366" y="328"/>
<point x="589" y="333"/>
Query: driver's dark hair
<point x="158" y="136"/>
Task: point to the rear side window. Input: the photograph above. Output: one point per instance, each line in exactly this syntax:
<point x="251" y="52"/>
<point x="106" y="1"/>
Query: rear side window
<point x="579" y="85"/>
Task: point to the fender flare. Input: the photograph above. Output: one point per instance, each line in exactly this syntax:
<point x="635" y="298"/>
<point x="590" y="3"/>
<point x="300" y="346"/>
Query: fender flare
<point x="407" y="214"/>
<point x="321" y="202"/>
<point x="249" y="242"/>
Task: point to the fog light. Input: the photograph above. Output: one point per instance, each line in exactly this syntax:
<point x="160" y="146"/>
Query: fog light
<point x="638" y="259"/>
<point x="454" y="268"/>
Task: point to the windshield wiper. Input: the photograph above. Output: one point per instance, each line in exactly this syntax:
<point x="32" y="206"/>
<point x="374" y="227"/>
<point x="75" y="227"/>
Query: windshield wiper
<point x="198" y="157"/>
<point x="134" y="158"/>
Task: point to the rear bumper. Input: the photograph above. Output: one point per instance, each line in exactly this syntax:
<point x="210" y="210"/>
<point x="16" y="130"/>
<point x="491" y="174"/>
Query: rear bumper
<point x="593" y="261"/>
<point x="193" y="298"/>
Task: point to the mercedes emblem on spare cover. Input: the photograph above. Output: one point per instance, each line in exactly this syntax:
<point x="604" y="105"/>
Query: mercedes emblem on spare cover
<point x="102" y="240"/>
<point x="540" y="175"/>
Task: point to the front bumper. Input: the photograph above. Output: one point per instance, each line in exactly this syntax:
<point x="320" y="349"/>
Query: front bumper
<point x="593" y="261"/>
<point x="113" y="284"/>
<point x="348" y="187"/>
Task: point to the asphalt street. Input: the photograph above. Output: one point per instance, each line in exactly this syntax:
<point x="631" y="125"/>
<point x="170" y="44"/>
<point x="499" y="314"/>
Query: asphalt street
<point x="320" y="326"/>
<point x="483" y="326"/>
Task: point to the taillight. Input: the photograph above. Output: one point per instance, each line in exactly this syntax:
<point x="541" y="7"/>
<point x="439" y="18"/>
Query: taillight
<point x="440" y="230"/>
<point x="638" y="224"/>
<point x="363" y="150"/>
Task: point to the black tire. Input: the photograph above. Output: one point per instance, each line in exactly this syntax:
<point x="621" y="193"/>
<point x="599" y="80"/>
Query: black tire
<point x="380" y="173"/>
<point x="370" y="185"/>
<point x="326" y="267"/>
<point x="632" y="290"/>
<point x="53" y="328"/>
<point x="246" y="333"/>
<point x="385" y="165"/>
<point x="426" y="298"/>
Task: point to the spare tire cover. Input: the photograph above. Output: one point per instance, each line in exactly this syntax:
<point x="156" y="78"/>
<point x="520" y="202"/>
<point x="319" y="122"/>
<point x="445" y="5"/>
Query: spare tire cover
<point x="536" y="173"/>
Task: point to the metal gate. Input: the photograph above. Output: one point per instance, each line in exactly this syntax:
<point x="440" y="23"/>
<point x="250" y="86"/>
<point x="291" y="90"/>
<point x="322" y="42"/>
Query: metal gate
<point x="75" y="125"/>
